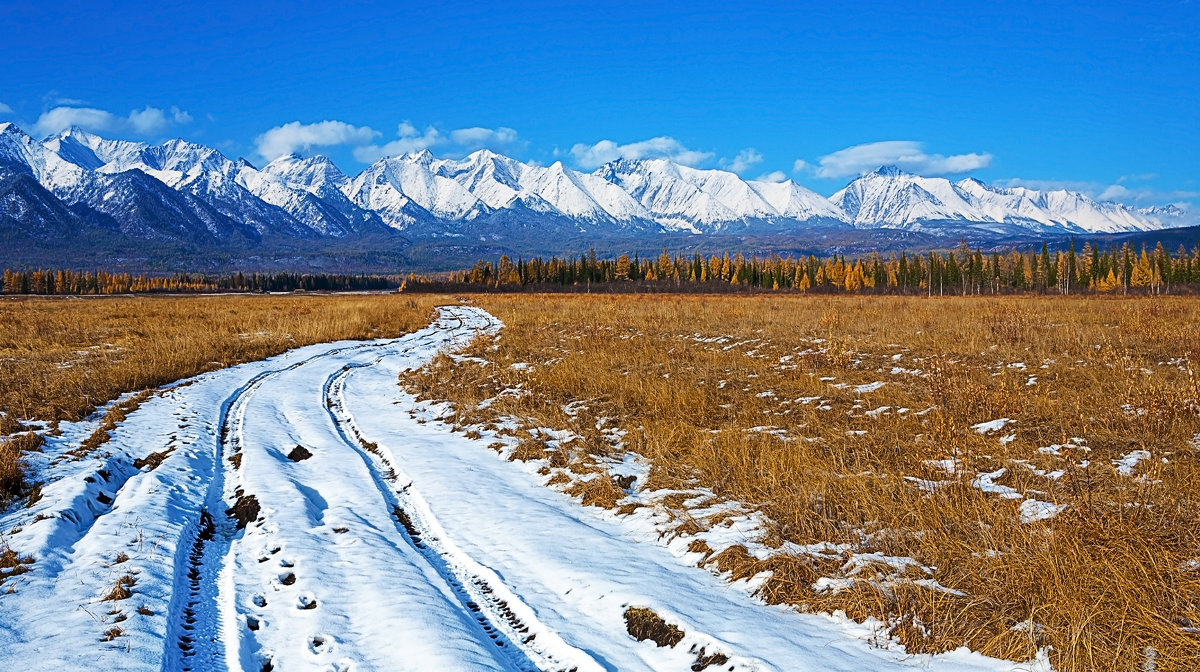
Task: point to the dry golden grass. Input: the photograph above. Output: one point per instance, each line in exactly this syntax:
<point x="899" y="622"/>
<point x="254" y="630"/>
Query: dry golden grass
<point x="643" y="624"/>
<point x="62" y="357"/>
<point x="1110" y="583"/>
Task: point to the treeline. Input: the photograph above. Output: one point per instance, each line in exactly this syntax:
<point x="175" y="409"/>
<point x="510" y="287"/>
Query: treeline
<point x="101" y="282"/>
<point x="960" y="271"/>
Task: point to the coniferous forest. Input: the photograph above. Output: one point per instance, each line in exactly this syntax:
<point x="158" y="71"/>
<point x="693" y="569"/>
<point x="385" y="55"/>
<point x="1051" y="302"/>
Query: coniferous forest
<point x="958" y="272"/>
<point x="961" y="271"/>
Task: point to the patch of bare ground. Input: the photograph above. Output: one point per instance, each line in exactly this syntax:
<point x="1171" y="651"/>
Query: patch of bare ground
<point x="853" y="426"/>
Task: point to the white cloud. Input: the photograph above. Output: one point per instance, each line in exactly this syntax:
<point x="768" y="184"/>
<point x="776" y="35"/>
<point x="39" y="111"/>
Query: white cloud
<point x="906" y="154"/>
<point x="773" y="176"/>
<point x="1092" y="188"/>
<point x="408" y="139"/>
<point x="1137" y="177"/>
<point x="800" y="166"/>
<point x="61" y="118"/>
<point x="146" y="121"/>
<point x="298" y="137"/>
<point x="662" y="147"/>
<point x="1107" y="192"/>
<point x="363" y="140"/>
<point x="1115" y="192"/>
<point x="478" y="137"/>
<point x="1143" y="196"/>
<point x="152" y="120"/>
<point x="5" y="109"/>
<point x="744" y="160"/>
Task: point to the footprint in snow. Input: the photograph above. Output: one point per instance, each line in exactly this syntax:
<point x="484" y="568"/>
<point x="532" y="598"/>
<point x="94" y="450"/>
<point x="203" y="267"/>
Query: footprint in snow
<point x="321" y="644"/>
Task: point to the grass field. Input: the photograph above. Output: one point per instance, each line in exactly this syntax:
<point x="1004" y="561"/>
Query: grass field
<point x="61" y="358"/>
<point x="855" y="427"/>
<point x="1007" y="474"/>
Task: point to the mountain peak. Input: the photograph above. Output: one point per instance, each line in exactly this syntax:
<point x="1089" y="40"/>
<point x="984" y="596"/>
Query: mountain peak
<point x="482" y="155"/>
<point x="76" y="132"/>
<point x="316" y="160"/>
<point x="294" y="159"/>
<point x="423" y="157"/>
<point x="890" y="170"/>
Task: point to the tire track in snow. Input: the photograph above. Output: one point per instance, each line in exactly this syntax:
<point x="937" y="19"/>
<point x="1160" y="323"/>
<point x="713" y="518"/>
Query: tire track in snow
<point x="502" y="617"/>
<point x="202" y="628"/>
<point x="202" y="632"/>
<point x="485" y="594"/>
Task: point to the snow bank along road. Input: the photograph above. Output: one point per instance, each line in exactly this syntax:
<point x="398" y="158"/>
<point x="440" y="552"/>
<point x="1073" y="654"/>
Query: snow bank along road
<point x="294" y="515"/>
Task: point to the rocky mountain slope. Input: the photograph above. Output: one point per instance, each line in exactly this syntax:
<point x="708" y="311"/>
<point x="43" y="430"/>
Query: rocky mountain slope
<point x="75" y="188"/>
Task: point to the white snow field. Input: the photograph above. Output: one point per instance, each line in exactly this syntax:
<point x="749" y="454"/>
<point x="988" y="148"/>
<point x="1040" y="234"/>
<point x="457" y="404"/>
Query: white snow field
<point x="395" y="545"/>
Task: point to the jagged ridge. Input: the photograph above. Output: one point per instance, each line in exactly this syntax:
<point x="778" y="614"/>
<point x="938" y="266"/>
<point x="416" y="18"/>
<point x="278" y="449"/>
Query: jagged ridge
<point x="185" y="191"/>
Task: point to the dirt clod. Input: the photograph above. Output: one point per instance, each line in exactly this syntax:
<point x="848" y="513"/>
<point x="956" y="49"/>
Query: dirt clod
<point x="153" y="460"/>
<point x="245" y="511"/>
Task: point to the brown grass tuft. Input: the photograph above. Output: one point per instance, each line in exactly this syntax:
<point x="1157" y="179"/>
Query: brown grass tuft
<point x="643" y="624"/>
<point x="12" y="564"/>
<point x="12" y="471"/>
<point x="121" y="589"/>
<point x="598" y="491"/>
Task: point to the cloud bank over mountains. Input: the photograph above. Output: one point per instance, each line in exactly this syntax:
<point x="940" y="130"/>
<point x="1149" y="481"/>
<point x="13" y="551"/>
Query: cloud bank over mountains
<point x="147" y="121"/>
<point x="906" y="154"/>
<point x="295" y="137"/>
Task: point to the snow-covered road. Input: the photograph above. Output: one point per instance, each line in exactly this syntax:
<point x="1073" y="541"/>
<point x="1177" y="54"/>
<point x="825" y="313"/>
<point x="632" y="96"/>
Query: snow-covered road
<point x="303" y="518"/>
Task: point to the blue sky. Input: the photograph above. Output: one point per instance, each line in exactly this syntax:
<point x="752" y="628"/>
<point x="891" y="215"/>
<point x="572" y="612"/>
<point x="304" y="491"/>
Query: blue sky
<point x="1103" y="97"/>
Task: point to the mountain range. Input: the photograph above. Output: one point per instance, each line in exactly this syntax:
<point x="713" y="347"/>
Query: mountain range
<point x="74" y="196"/>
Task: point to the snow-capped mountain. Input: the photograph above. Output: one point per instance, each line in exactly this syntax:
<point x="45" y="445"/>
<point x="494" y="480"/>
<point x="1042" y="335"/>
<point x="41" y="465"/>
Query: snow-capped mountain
<point x="181" y="191"/>
<point x="892" y="198"/>
<point x="131" y="202"/>
<point x="705" y="201"/>
<point x="312" y="191"/>
<point x="1169" y="216"/>
<point x="483" y="183"/>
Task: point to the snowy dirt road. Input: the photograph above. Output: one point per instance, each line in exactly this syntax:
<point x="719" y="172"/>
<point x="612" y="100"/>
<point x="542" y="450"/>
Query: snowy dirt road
<point x="303" y="513"/>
